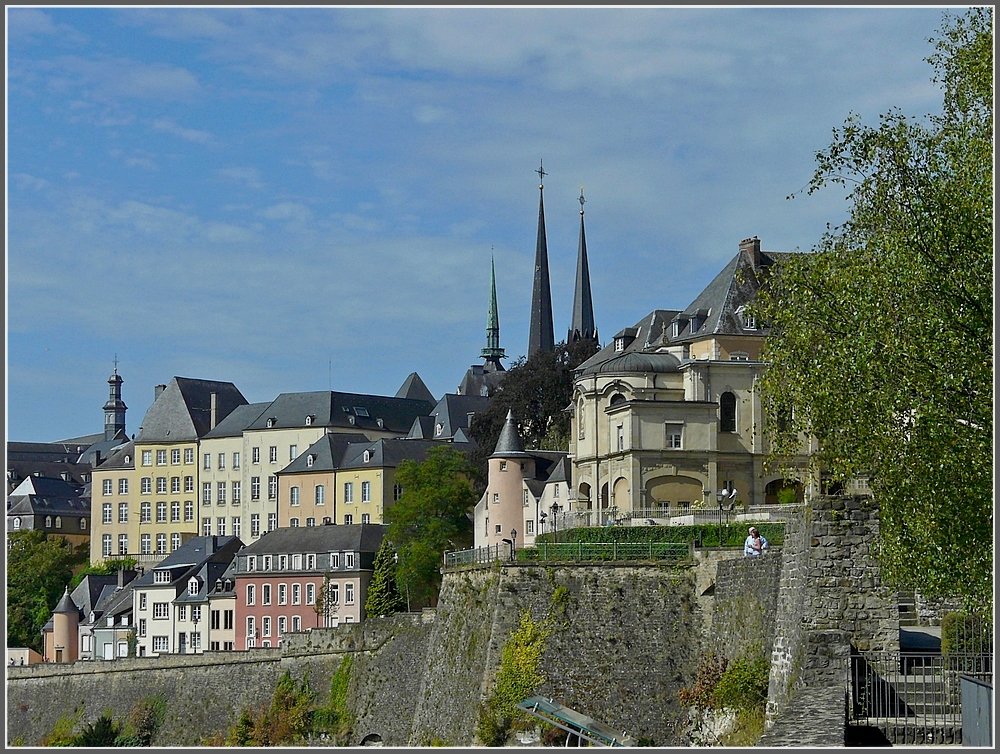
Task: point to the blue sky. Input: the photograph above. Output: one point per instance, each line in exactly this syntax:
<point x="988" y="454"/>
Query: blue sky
<point x="307" y="199"/>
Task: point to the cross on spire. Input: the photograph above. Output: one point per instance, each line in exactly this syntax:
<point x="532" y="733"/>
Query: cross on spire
<point x="541" y="173"/>
<point x="582" y="200"/>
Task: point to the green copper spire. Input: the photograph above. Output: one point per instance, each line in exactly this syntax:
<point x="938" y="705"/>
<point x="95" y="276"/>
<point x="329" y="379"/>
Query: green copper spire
<point x="493" y="352"/>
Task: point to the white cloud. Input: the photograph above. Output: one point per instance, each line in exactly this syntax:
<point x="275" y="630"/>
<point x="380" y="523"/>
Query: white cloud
<point x="246" y="176"/>
<point x="188" y="134"/>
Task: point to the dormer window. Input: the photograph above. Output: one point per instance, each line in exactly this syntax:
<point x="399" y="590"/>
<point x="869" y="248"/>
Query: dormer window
<point x="128" y="459"/>
<point x="361" y="411"/>
<point x="193" y="586"/>
<point x="368" y="456"/>
<point x="749" y="320"/>
<point x="271" y="421"/>
<point x="309" y="420"/>
<point x="161" y="577"/>
<point x="310" y="459"/>
<point x="675" y="329"/>
<point x="438" y="429"/>
<point x="619" y="344"/>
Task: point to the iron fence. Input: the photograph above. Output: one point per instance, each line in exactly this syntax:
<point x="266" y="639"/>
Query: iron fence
<point x="573" y="552"/>
<point x="913" y="689"/>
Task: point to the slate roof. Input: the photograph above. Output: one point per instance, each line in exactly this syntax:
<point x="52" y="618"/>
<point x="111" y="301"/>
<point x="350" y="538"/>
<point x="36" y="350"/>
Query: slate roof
<point x="183" y="411"/>
<point x="481" y="381"/>
<point x="327" y="452"/>
<point x="48" y="496"/>
<point x="452" y="411"/>
<point x="192" y="555"/>
<point x="349" y="411"/>
<point x="238" y="420"/>
<point x="66" y="604"/>
<point x="117" y="458"/>
<point x="414" y="387"/>
<point x="509" y="444"/>
<point x="387" y="453"/>
<point x="326" y="538"/>
<point x="207" y="575"/>
<point x="422" y="429"/>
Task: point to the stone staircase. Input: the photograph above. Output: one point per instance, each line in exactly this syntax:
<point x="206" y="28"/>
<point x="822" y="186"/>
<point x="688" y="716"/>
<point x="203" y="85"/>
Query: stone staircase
<point x="908" y="615"/>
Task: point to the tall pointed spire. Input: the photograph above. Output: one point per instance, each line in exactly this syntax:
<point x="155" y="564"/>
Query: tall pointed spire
<point x="582" y="326"/>
<point x="540" y="337"/>
<point x="493" y="352"/>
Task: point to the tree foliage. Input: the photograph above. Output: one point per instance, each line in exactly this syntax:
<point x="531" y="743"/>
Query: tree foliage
<point x="882" y="339"/>
<point x="431" y="516"/>
<point x="383" y="592"/>
<point x="538" y="390"/>
<point x="104" y="568"/>
<point x="38" y="569"/>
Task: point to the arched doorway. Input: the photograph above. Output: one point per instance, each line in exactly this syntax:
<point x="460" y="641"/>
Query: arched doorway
<point x="673" y="492"/>
<point x="783" y="492"/>
<point x="620" y="501"/>
<point x="372" y="739"/>
<point x="583" y="495"/>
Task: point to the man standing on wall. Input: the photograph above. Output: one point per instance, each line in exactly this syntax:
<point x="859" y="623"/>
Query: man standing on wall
<point x="755" y="544"/>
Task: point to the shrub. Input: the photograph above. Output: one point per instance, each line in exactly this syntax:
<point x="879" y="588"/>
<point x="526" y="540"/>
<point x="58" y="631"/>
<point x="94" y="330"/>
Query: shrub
<point x="965" y="633"/>
<point x="743" y="684"/>
<point x="700" y="694"/>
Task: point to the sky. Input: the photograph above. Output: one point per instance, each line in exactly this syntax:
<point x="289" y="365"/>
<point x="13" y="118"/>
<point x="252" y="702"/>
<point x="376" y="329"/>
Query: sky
<point x="308" y="199"/>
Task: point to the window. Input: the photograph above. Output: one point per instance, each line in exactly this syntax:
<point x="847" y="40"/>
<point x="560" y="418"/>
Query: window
<point x="749" y="321"/>
<point x="161" y="643"/>
<point x="189" y="510"/>
<point x="123" y="486"/>
<point x="175" y="484"/>
<point x="310" y="594"/>
<point x="296" y="594"/>
<point x="206" y="527"/>
<point x="146" y="485"/>
<point x="293" y="451"/>
<point x="161" y="576"/>
<point x="254" y="524"/>
<point x="282" y="562"/>
<point x="109" y="487"/>
<point x="675" y="328"/>
<point x="161" y="485"/>
<point x="503" y="466"/>
<point x="674" y="435"/>
<point x="254" y="455"/>
<point x="296" y="624"/>
<point x="206" y="493"/>
<point x="273" y="454"/>
<point x="739" y="356"/>
<point x="310" y="521"/>
<point x="236" y="493"/>
<point x="348" y="492"/>
<point x="175" y="541"/>
<point x="265" y="624"/>
<point x="348" y="519"/>
<point x="142" y="600"/>
<point x="272" y="521"/>
<point x="272" y="487"/>
<point x="334" y="560"/>
<point x="251" y="630"/>
<point x="17" y="522"/>
<point x="366" y="492"/>
<point x="220" y="526"/>
<point x="497" y="529"/>
<point x="727" y="412"/>
<point x="175" y="511"/>
<point x="255" y="488"/>
<point x="251" y="563"/>
<point x="48" y="522"/>
<point x="251" y="595"/>
<point x="181" y="612"/>
<point x="195" y="640"/>
<point x="175" y="456"/>
<point x="310" y="561"/>
<point x="147" y="458"/>
<point x="161" y="544"/>
<point x="189" y="484"/>
<point x="161" y="610"/>
<point x="161" y="513"/>
<point x="267" y="563"/>
<point x="123" y="544"/>
<point x="58" y="522"/>
<point x="188" y="455"/>
<point x="206" y="461"/>
<point x="145" y="513"/>
<point x="366" y="518"/>
<point x="320" y="494"/>
<point x="236" y="526"/>
<point x="397" y="492"/>
<point x="349" y="593"/>
<point x="227" y="620"/>
<point x="106" y="545"/>
<point x="282" y="594"/>
<point x="525" y="499"/>
<point x="236" y="459"/>
<point x="368" y="456"/>
<point x="282" y="625"/>
<point x="334" y="591"/>
<point x="106" y="513"/>
<point x="142" y="626"/>
<point x="161" y="457"/>
<point x="222" y="460"/>
<point x="221" y="492"/>
<point x="620" y="432"/>
<point x="496" y="498"/>
<point x="293" y="496"/>
<point x="529" y="526"/>
<point x="265" y="594"/>
<point x="349" y="560"/>
<point x="296" y="562"/>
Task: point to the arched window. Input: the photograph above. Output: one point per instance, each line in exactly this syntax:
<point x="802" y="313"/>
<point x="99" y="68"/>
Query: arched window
<point x="617" y="398"/>
<point x="727" y="412"/>
<point x="48" y="522"/>
<point x="17" y="522"/>
<point x="581" y="419"/>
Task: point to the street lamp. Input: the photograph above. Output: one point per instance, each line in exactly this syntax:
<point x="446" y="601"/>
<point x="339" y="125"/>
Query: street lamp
<point x="555" y="520"/>
<point x="513" y="544"/>
<point x="722" y="496"/>
<point x="541" y="522"/>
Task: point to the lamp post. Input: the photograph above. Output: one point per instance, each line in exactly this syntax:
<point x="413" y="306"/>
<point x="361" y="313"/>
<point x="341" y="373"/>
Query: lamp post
<point x="723" y="495"/>
<point x="196" y="637"/>
<point x="513" y="544"/>
<point x="555" y="521"/>
<point x="541" y="522"/>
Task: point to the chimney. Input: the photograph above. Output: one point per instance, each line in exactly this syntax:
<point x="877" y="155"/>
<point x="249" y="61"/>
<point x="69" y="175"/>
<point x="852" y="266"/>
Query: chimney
<point x="121" y="577"/>
<point x="215" y="544"/>
<point x="752" y="248"/>
<point x="214" y="410"/>
<point x="157" y="390"/>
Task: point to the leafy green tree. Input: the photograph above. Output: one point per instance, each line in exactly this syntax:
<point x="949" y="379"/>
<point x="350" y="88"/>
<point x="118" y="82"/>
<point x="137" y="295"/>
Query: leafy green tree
<point x="537" y="390"/>
<point x="38" y="569"/>
<point x="383" y="592"/>
<point x="104" y="568"/>
<point x="882" y="339"/>
<point x="431" y="516"/>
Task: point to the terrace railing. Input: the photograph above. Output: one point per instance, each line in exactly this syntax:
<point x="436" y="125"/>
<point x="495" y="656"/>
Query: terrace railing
<point x="573" y="552"/>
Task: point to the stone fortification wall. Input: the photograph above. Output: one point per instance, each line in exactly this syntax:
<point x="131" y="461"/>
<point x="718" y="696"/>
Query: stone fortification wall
<point x="744" y="616"/>
<point x="624" y="641"/>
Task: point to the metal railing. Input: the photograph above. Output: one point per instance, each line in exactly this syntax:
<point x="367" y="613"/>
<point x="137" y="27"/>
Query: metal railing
<point x="912" y="689"/>
<point x="572" y="552"/>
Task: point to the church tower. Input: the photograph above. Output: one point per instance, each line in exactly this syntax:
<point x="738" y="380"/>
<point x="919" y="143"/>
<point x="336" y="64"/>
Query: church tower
<point x="114" y="409"/>
<point x="493" y="352"/>
<point x="582" y="326"/>
<point x="540" y="337"/>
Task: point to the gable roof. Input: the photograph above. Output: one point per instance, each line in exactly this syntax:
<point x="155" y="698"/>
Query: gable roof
<point x="452" y="412"/>
<point x="350" y="411"/>
<point x="329" y="537"/>
<point x="191" y="556"/>
<point x="183" y="411"/>
<point x="387" y="452"/>
<point x="414" y="387"/>
<point x="238" y="420"/>
<point x="327" y="453"/>
<point x="48" y="496"/>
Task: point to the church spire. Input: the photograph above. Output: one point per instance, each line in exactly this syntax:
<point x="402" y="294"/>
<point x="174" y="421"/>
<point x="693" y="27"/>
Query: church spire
<point x="540" y="337"/>
<point x="493" y="352"/>
<point x="114" y="409"/>
<point x="582" y="326"/>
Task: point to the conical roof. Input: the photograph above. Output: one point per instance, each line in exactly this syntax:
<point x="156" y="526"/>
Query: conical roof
<point x="540" y="337"/>
<point x="66" y="604"/>
<point x="509" y="443"/>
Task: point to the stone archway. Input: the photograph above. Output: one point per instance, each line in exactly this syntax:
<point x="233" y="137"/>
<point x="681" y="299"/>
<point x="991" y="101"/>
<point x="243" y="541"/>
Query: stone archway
<point x="781" y="490"/>
<point x="620" y="499"/>
<point x="583" y="495"/>
<point x="673" y="492"/>
<point x="372" y="739"/>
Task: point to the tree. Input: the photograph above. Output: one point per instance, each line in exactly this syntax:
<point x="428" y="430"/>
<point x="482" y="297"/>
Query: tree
<point x="431" y="516"/>
<point x="104" y="568"/>
<point x="38" y="569"/>
<point x="383" y="592"/>
<point x="538" y="390"/>
<point x="882" y="339"/>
